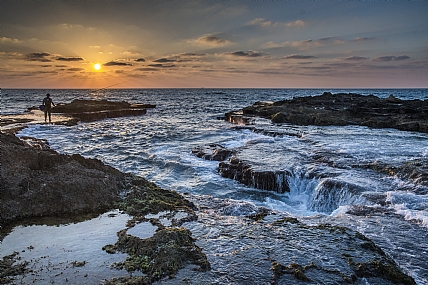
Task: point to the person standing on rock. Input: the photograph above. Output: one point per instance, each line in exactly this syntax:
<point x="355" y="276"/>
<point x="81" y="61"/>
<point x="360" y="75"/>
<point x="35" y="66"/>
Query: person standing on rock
<point x="47" y="105"/>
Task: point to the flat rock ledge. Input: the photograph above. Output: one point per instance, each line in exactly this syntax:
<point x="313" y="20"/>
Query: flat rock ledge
<point x="93" y="110"/>
<point x="71" y="113"/>
<point x="339" y="110"/>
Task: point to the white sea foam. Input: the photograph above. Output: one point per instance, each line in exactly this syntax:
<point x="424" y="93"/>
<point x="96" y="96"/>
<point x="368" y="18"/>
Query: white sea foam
<point x="411" y="206"/>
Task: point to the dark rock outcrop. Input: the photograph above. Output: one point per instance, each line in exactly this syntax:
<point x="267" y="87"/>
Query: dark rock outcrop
<point x="232" y="167"/>
<point x="415" y="171"/>
<point x="36" y="181"/>
<point x="243" y="172"/>
<point x="340" y="109"/>
<point x="92" y="110"/>
<point x="212" y="152"/>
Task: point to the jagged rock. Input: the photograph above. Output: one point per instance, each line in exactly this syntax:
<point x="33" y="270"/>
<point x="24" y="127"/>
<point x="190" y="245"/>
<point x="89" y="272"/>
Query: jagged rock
<point x="415" y="171"/>
<point x="36" y="181"/>
<point x="237" y="169"/>
<point x="212" y="152"/>
<point x="341" y="109"/>
<point x="241" y="171"/>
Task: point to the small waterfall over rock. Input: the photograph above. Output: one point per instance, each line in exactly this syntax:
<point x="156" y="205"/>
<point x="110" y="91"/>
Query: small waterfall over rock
<point x="329" y="194"/>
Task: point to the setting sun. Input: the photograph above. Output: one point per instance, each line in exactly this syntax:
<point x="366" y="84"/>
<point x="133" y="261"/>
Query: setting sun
<point x="97" y="66"/>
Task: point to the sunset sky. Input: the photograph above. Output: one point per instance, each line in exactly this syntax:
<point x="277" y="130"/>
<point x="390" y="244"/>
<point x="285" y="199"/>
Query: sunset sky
<point x="219" y="44"/>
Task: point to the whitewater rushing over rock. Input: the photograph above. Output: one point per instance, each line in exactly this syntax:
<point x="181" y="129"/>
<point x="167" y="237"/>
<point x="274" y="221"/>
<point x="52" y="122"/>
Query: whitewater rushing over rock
<point x="372" y="181"/>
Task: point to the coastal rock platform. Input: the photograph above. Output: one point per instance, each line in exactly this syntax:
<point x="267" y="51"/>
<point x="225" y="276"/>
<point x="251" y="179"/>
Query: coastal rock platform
<point x="71" y="113"/>
<point x="210" y="240"/>
<point x="340" y="109"/>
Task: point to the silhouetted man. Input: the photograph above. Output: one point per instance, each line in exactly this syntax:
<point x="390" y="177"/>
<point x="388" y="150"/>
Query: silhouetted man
<point x="47" y="104"/>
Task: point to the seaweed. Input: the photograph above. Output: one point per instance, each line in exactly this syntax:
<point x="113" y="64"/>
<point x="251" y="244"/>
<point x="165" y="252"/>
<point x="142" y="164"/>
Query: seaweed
<point x="8" y="268"/>
<point x="159" y="256"/>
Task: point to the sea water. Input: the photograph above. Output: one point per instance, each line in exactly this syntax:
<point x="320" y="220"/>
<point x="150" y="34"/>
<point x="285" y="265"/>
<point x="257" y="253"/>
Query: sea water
<point x="158" y="146"/>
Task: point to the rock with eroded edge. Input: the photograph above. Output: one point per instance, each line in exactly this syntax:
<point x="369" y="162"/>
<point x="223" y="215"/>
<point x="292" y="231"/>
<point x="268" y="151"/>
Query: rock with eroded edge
<point x="339" y="110"/>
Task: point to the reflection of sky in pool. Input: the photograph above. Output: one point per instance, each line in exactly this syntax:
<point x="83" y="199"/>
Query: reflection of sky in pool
<point x="59" y="250"/>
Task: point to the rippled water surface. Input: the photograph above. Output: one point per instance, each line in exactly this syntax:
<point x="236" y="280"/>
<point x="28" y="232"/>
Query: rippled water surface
<point x="158" y="147"/>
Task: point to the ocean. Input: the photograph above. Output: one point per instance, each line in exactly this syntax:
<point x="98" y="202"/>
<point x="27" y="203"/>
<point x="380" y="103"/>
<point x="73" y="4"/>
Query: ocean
<point x="158" y="146"/>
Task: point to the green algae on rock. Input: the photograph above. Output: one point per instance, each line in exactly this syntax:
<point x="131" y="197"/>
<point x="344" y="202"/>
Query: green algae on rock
<point x="159" y="256"/>
<point x="9" y="268"/>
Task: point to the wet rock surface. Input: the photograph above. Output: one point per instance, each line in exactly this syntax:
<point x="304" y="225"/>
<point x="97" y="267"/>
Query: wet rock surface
<point x="415" y="171"/>
<point x="92" y="110"/>
<point x="72" y="113"/>
<point x="277" y="249"/>
<point x="243" y="172"/>
<point x="38" y="182"/>
<point x="340" y="110"/>
<point x="204" y="240"/>
<point x="234" y="168"/>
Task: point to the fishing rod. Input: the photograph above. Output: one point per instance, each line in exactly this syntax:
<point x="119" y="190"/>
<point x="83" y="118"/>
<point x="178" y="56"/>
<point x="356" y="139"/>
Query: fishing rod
<point x="95" y="90"/>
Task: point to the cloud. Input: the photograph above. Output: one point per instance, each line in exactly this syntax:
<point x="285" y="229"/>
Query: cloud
<point x="9" y="40"/>
<point x="296" y="24"/>
<point x="297" y="56"/>
<point x="94" y="47"/>
<point x="69" y="59"/>
<point x="164" y="60"/>
<point x="38" y="56"/>
<point x="76" y="69"/>
<point x="302" y="45"/>
<point x="192" y="54"/>
<point x="354" y="58"/>
<point x="262" y="23"/>
<point x="160" y="65"/>
<point x="246" y="54"/>
<point x="390" y="58"/>
<point x="358" y="39"/>
<point x="146" y="69"/>
<point x="402" y="57"/>
<point x="117" y="63"/>
<point x="213" y="41"/>
<point x="140" y="60"/>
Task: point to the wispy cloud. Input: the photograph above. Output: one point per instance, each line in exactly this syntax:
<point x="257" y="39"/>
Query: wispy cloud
<point x="76" y="69"/>
<point x="9" y="40"/>
<point x="245" y="53"/>
<point x="211" y="41"/>
<point x="164" y="60"/>
<point x="391" y="58"/>
<point x="117" y="63"/>
<point x="69" y="59"/>
<point x="364" y="39"/>
<point x="354" y="58"/>
<point x="262" y="23"/>
<point x="297" y="56"/>
<point x="160" y="65"/>
<point x="296" y="24"/>
<point x="38" y="56"/>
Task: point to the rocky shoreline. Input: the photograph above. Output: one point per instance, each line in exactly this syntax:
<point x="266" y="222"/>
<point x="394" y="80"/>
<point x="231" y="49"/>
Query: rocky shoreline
<point x="37" y="182"/>
<point x="198" y="239"/>
<point x="340" y="110"/>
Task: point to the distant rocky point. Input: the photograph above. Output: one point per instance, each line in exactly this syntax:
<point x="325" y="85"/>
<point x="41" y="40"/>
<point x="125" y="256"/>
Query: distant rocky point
<point x="92" y="110"/>
<point x="71" y="113"/>
<point x="340" y="110"/>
